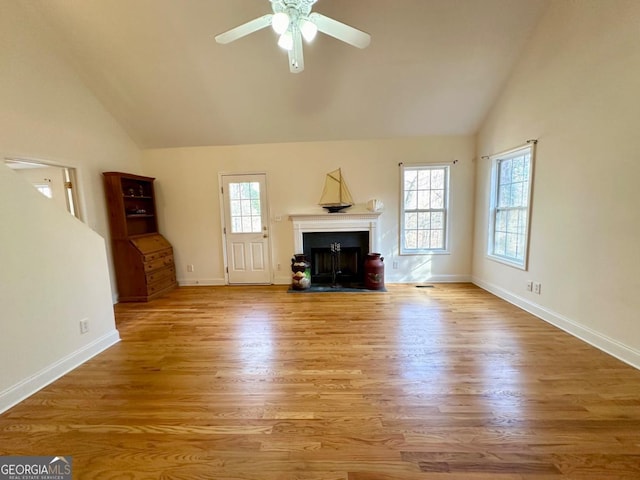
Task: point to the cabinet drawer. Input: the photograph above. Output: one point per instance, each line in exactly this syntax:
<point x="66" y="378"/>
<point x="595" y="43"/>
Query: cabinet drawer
<point x="158" y="263"/>
<point x="161" y="285"/>
<point x="161" y="274"/>
<point x="155" y="256"/>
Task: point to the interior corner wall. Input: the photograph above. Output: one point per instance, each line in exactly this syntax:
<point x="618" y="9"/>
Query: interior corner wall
<point x="46" y="289"/>
<point x="575" y="89"/>
<point x="54" y="268"/>
<point x="187" y="190"/>
<point x="49" y="114"/>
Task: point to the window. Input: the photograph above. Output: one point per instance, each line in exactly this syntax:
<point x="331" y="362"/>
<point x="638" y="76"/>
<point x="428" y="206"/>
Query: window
<point x="424" y="209"/>
<point x="510" y="206"/>
<point x="44" y="188"/>
<point x="245" y="207"/>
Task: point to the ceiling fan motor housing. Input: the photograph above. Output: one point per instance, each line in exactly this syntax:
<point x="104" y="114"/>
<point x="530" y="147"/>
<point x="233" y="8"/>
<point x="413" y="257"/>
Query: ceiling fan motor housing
<point x="301" y="7"/>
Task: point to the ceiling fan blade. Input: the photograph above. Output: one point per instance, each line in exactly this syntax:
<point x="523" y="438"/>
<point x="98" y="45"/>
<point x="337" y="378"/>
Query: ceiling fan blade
<point x="340" y="30"/>
<point x="245" y="29"/>
<point x="296" y="58"/>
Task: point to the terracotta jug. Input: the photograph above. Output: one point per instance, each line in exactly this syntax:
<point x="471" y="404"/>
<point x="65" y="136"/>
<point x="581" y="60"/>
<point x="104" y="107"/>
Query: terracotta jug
<point x="374" y="271"/>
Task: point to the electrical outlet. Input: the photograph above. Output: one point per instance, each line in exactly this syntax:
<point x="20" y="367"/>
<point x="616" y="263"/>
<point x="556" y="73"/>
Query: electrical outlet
<point x="278" y="267"/>
<point x="537" y="287"/>
<point x="189" y="268"/>
<point x="529" y="286"/>
<point x="84" y="325"/>
<point x="395" y="265"/>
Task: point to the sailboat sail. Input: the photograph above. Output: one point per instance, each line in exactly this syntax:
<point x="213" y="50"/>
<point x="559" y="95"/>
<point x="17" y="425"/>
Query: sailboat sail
<point x="335" y="195"/>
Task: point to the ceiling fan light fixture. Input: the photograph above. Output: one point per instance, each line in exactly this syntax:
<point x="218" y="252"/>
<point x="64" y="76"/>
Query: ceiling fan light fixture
<point x="280" y="22"/>
<point x="295" y="23"/>
<point x="308" y="29"/>
<point x="286" y="40"/>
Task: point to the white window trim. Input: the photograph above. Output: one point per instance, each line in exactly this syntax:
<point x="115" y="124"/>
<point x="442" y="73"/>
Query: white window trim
<point x="426" y="251"/>
<point x="515" y="152"/>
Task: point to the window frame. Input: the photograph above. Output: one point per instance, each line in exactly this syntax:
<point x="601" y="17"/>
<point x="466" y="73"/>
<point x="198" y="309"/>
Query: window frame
<point x="496" y="162"/>
<point x="444" y="250"/>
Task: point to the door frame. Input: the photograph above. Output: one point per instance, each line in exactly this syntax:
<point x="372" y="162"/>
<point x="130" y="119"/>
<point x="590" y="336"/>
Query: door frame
<point x="223" y="214"/>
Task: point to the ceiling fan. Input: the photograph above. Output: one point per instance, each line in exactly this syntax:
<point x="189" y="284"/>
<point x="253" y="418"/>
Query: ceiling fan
<point x="293" y="20"/>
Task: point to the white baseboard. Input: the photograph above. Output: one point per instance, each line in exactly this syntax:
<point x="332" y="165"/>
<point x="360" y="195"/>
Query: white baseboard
<point x="282" y="279"/>
<point x="447" y="279"/>
<point x="201" y="282"/>
<point x="285" y="279"/>
<point x="30" y="385"/>
<point x="602" y="342"/>
<point x="390" y="277"/>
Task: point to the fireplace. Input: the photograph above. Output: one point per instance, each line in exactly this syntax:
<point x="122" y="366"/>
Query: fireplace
<point x="355" y="232"/>
<point x="336" y="252"/>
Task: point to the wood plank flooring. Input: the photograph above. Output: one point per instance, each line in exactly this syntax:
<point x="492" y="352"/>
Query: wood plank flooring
<point x="254" y="383"/>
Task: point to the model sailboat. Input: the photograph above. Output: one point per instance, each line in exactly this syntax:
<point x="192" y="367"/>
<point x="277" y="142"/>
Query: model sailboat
<point x="336" y="195"/>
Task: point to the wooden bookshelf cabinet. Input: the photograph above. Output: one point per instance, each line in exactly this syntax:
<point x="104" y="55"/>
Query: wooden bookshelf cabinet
<point x="143" y="258"/>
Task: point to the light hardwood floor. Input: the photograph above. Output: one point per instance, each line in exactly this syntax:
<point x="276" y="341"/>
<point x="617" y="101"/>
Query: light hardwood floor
<point x="413" y="384"/>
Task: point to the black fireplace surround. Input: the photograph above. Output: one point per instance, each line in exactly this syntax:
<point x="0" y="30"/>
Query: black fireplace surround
<point x="354" y="247"/>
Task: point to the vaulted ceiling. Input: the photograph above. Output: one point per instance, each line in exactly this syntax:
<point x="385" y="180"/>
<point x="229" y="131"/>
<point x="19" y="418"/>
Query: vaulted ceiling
<point x="433" y="67"/>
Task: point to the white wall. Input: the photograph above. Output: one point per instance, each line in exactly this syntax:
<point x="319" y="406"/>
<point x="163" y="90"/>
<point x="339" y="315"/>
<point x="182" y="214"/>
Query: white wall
<point x="46" y="288"/>
<point x="47" y="112"/>
<point x="51" y="176"/>
<point x="54" y="268"/>
<point x="576" y="90"/>
<point x="189" y="209"/>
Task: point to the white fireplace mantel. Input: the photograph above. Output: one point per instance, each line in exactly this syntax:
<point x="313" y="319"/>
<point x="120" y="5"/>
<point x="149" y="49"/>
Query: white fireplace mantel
<point x="335" y="222"/>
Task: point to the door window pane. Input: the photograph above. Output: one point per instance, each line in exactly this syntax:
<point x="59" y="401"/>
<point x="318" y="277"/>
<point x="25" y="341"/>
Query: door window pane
<point x="245" y="208"/>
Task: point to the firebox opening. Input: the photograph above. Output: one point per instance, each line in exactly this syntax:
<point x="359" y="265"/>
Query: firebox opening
<point x="347" y="264"/>
<point x="353" y="249"/>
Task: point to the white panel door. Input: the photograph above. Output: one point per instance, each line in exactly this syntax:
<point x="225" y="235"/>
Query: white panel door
<point x="246" y="228"/>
